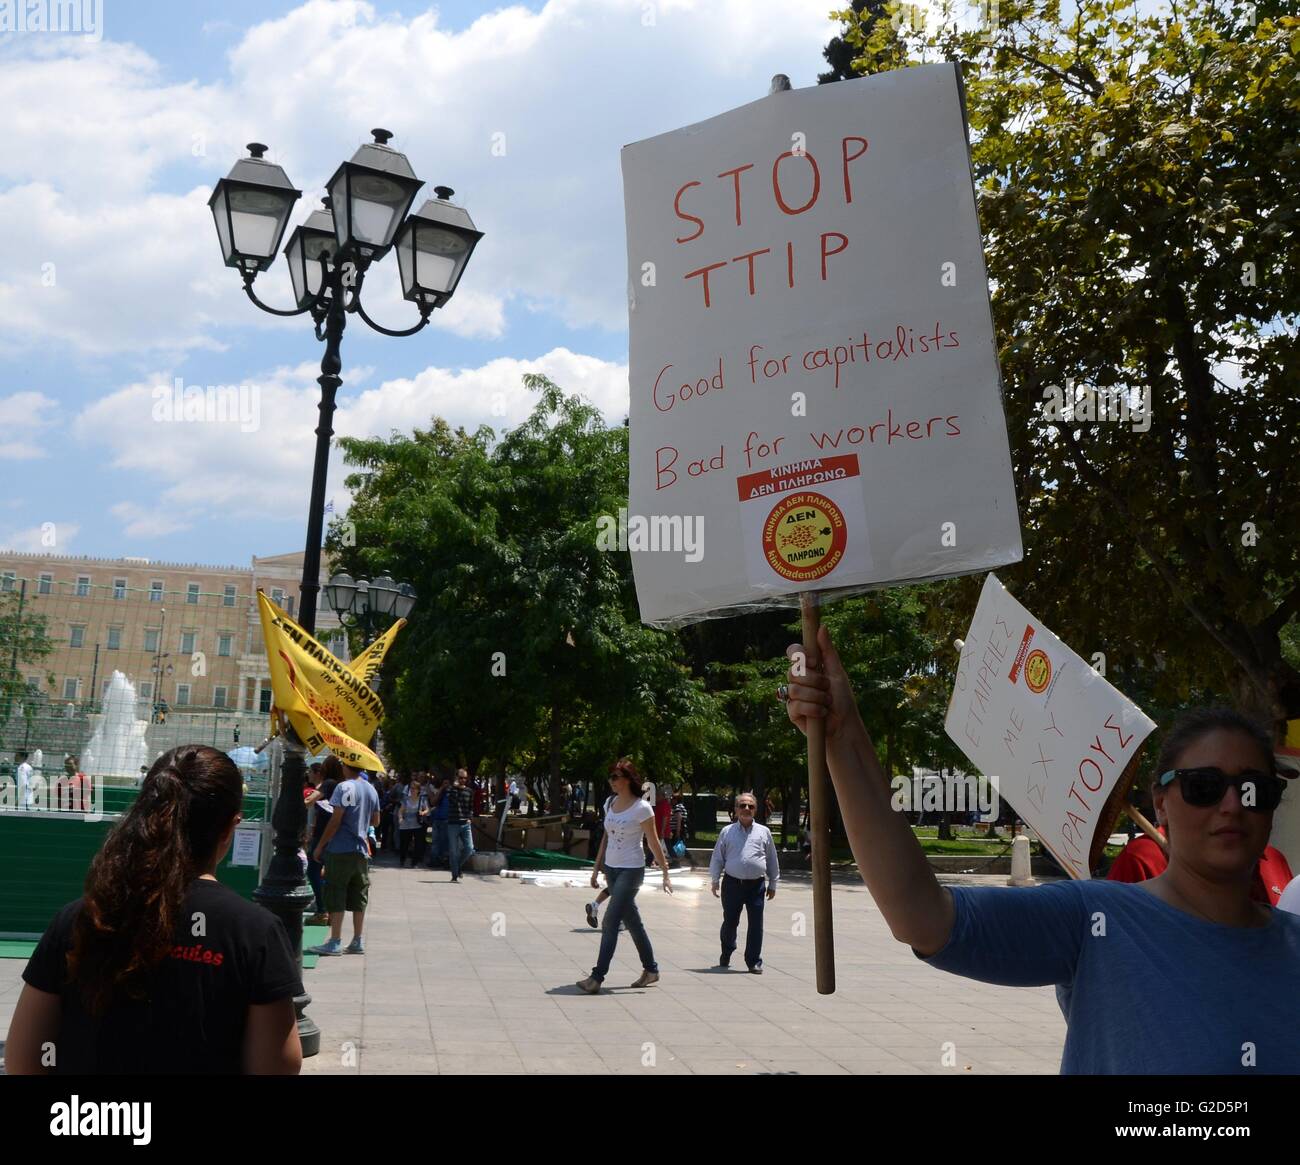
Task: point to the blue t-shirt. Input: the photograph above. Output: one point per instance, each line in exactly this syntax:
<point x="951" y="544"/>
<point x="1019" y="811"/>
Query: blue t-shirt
<point x="358" y="802"/>
<point x="1145" y="987"/>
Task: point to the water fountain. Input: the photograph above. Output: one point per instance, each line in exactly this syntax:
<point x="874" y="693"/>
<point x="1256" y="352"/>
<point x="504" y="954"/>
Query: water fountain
<point x="117" y="746"/>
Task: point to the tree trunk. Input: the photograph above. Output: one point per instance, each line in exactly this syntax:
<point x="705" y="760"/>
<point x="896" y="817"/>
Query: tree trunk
<point x="553" y="791"/>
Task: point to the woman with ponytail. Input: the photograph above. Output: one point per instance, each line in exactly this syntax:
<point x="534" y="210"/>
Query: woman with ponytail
<point x="159" y="968"/>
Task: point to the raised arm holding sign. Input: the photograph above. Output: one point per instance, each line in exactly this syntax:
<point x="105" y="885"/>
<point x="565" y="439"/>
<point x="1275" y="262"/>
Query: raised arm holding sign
<point x="1180" y="974"/>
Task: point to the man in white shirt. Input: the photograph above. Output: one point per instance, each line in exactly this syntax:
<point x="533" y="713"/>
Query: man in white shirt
<point x="27" y="798"/>
<point x="744" y="858"/>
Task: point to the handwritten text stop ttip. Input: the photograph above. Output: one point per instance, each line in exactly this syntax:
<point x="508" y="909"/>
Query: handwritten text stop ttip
<point x="772" y="267"/>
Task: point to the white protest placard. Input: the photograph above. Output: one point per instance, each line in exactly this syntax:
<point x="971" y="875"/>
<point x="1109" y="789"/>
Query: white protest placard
<point x="1045" y="728"/>
<point x="247" y="847"/>
<point x="815" y="389"/>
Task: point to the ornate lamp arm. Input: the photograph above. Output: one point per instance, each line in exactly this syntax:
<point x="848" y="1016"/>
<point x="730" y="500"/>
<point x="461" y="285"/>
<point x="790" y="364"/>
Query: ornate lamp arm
<point x="277" y="311"/>
<point x="355" y="306"/>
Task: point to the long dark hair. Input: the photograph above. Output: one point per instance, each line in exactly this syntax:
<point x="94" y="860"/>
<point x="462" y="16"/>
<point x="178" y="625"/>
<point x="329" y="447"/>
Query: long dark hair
<point x="623" y="767"/>
<point x="138" y="880"/>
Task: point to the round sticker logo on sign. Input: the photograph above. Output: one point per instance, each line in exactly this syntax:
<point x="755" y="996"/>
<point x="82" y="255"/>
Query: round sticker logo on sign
<point x="804" y="537"/>
<point x="1038" y="671"/>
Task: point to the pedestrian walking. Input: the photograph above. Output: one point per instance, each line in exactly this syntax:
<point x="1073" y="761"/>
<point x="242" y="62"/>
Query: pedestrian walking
<point x="459" y="800"/>
<point x="745" y="861"/>
<point x="413" y="807"/>
<point x="629" y="821"/>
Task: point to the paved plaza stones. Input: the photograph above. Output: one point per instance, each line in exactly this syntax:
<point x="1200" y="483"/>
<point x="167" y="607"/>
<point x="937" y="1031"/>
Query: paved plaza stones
<point x="479" y="977"/>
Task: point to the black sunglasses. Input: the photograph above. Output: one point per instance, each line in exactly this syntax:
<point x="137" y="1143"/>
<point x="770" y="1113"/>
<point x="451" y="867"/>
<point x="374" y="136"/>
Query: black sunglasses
<point x="1205" y="787"/>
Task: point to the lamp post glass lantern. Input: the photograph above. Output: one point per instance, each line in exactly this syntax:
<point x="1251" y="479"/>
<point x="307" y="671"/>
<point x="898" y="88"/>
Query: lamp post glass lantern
<point x="251" y="207"/>
<point x="433" y="249"/>
<point x="310" y="242"/>
<point x="371" y="194"/>
<point x="370" y="604"/>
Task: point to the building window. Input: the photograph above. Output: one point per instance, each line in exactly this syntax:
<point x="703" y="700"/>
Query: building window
<point x="187" y="642"/>
<point x="192" y="593"/>
<point x="224" y="644"/>
<point x="7" y="584"/>
<point x="34" y="686"/>
<point x="182" y="695"/>
<point x="45" y="586"/>
<point x="70" y="684"/>
<point x="219" y="696"/>
<point x="277" y="596"/>
<point x="151" y="638"/>
<point x="264" y="700"/>
<point x="228" y="596"/>
<point x="155" y="590"/>
<point x="119" y="588"/>
<point x="77" y="636"/>
<point x="103" y="689"/>
<point x="146" y="690"/>
<point x="114" y="638"/>
<point x="83" y="586"/>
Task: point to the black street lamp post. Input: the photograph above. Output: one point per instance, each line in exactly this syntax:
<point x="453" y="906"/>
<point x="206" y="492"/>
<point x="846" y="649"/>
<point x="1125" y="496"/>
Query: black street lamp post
<point x="365" y="215"/>
<point x="370" y="605"/>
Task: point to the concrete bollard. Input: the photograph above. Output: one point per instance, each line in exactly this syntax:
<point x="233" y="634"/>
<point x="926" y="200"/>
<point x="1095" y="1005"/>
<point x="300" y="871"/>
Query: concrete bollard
<point x="1021" y="871"/>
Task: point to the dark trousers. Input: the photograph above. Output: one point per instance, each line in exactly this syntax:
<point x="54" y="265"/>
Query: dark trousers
<point x="738" y="895"/>
<point x="316" y="876"/>
<point x="410" y="842"/>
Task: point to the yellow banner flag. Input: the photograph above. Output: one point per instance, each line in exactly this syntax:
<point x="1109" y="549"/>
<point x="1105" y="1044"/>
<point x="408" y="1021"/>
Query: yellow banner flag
<point x="329" y="704"/>
<point x="368" y="663"/>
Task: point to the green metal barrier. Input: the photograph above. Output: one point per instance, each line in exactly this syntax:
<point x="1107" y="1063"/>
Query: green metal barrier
<point x="44" y="858"/>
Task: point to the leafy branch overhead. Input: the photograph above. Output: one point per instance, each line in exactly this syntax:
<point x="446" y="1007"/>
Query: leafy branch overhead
<point x="1138" y="180"/>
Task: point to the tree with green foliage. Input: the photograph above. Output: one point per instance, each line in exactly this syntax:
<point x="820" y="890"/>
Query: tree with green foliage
<point x="1139" y="192"/>
<point x="24" y="639"/>
<point x="524" y="647"/>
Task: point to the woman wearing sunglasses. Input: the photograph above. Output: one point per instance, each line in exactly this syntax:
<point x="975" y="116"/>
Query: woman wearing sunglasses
<point x="1184" y="973"/>
<point x="628" y="821"/>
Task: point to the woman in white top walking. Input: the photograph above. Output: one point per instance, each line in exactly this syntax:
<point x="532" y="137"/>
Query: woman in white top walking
<point x="628" y="820"/>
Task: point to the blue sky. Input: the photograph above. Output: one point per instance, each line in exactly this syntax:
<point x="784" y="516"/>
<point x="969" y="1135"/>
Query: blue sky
<point x="113" y="283"/>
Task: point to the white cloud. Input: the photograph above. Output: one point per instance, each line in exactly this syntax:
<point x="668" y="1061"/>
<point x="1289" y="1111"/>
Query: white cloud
<point x="37" y="539"/>
<point x="24" y="416"/>
<point x="208" y="468"/>
<point x="109" y="167"/>
<point x="138" y="522"/>
<point x="492" y="395"/>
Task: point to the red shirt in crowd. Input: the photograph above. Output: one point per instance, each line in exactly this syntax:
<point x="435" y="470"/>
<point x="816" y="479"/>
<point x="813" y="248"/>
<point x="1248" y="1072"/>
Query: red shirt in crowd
<point x="73" y="792"/>
<point x="1142" y="858"/>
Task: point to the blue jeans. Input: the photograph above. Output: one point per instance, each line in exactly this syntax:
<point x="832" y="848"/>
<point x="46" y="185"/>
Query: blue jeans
<point x="622" y="885"/>
<point x="747" y="896"/>
<point x="460" y="845"/>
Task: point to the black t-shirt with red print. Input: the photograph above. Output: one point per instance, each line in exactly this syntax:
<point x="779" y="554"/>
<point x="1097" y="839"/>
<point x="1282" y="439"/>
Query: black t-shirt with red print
<point x="229" y="953"/>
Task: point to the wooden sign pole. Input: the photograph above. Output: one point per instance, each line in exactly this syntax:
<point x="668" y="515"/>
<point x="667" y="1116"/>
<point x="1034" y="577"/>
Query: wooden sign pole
<point x="819" y="782"/>
<point x="819" y="819"/>
<point x="1146" y="827"/>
